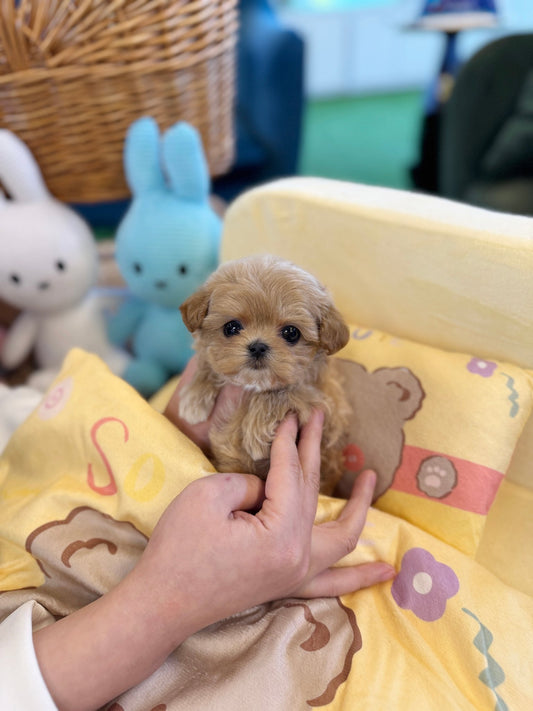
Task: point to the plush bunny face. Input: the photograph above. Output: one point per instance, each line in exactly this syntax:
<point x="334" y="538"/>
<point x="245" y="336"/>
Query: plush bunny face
<point x="167" y="244"/>
<point x="164" y="250"/>
<point x="48" y="259"/>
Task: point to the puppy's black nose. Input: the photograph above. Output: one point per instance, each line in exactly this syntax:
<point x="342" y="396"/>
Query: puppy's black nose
<point x="258" y="349"/>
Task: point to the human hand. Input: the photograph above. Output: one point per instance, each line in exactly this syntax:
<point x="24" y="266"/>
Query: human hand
<point x="227" y="401"/>
<point x="209" y="557"/>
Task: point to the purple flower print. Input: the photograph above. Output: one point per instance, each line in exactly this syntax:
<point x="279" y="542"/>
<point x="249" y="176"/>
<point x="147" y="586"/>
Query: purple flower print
<point x="423" y="585"/>
<point x="478" y="366"/>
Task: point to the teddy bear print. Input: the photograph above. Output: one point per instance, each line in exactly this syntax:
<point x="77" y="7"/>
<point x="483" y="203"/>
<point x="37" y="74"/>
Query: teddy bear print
<point x="262" y="650"/>
<point x="251" y="659"/>
<point x="82" y="556"/>
<point x="381" y="402"/>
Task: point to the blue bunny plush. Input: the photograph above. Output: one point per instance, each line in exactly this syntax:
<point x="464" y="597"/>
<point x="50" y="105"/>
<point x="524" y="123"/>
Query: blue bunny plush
<point x="167" y="244"/>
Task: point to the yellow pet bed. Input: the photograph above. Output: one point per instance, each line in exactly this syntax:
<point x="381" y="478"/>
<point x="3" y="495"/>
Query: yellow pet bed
<point x="439" y="298"/>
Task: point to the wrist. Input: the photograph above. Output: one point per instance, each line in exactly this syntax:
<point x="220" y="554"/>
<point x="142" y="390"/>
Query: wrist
<point x="119" y="639"/>
<point x="162" y="616"/>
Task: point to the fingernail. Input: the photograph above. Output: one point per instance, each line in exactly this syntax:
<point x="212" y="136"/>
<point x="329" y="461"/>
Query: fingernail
<point x="290" y="419"/>
<point x="371" y="477"/>
<point x="317" y="417"/>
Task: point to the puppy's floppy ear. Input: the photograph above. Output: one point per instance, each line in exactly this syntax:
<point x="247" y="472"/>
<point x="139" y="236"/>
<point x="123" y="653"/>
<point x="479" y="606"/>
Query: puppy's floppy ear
<point x="333" y="332"/>
<point x="195" y="308"/>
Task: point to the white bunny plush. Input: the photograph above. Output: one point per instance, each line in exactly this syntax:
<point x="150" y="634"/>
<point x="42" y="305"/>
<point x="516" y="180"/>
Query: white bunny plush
<point x="48" y="268"/>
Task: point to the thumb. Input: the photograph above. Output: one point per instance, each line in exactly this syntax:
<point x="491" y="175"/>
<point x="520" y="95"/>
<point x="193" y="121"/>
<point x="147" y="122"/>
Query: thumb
<point x="238" y="492"/>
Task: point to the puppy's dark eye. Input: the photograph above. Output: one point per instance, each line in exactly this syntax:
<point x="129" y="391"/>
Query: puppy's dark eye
<point x="15" y="278"/>
<point x="60" y="265"/>
<point x="290" y="334"/>
<point x="182" y="269"/>
<point x="137" y="268"/>
<point x="232" y="328"/>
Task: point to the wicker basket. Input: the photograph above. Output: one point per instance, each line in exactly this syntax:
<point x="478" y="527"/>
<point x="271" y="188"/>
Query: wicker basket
<point x="74" y="74"/>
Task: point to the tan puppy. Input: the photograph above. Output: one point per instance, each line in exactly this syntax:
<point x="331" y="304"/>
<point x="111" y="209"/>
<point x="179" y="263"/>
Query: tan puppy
<point x="268" y="326"/>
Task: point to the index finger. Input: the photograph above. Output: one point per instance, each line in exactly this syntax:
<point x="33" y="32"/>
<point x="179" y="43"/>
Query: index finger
<point x="285" y="467"/>
<point x="309" y="448"/>
<point x="294" y="476"/>
<point x="309" y="454"/>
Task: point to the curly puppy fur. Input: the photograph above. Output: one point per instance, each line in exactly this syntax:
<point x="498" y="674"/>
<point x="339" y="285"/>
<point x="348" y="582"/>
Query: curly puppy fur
<point x="268" y="326"/>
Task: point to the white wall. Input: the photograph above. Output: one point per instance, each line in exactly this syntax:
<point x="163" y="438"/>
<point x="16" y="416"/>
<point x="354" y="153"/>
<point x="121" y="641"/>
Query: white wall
<point x="372" y="50"/>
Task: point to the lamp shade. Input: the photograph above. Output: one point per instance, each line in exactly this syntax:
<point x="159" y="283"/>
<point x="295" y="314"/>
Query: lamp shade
<point x="455" y="15"/>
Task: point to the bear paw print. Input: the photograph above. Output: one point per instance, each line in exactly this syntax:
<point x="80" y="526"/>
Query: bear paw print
<point x="436" y="477"/>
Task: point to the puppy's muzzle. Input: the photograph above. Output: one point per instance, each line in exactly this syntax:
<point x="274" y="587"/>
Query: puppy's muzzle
<point x="257" y="352"/>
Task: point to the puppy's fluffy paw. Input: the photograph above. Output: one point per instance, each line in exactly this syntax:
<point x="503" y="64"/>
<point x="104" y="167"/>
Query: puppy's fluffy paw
<point x="195" y="404"/>
<point x="257" y="442"/>
<point x="258" y="449"/>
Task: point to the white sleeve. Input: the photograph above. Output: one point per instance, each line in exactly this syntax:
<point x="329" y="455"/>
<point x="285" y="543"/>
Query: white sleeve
<point x="21" y="683"/>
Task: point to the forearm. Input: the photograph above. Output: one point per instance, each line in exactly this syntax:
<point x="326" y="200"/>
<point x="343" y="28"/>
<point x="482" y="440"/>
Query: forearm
<point x="105" y="648"/>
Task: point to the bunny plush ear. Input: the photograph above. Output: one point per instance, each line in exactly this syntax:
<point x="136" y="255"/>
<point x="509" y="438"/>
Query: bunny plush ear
<point x="142" y="164"/>
<point x="19" y="171"/>
<point x="185" y="163"/>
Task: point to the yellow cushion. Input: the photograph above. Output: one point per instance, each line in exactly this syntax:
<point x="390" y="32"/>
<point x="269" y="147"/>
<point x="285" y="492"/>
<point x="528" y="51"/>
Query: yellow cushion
<point x="439" y="427"/>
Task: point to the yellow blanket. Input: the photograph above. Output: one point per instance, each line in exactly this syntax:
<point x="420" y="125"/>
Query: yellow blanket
<point x="82" y="484"/>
